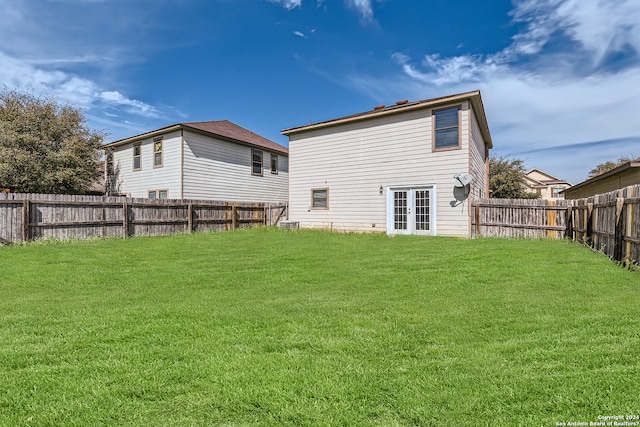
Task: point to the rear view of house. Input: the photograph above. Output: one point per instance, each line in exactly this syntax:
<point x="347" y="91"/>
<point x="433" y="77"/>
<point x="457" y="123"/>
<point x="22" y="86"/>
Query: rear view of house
<point x="215" y="160"/>
<point x="409" y="168"/>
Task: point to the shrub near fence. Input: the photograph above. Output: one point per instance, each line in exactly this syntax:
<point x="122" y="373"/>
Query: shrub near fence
<point x="608" y="222"/>
<point x="25" y="217"/>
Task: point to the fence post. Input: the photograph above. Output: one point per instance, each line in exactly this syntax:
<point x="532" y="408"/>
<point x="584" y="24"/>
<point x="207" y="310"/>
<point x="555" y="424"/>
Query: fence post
<point x="568" y="233"/>
<point x="588" y="239"/>
<point x="190" y="218"/>
<point x="233" y="217"/>
<point x="26" y="214"/>
<point x="125" y="219"/>
<point x="619" y="231"/>
<point x="477" y="216"/>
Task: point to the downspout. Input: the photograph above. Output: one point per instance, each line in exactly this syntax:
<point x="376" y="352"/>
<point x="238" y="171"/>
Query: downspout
<point x="486" y="170"/>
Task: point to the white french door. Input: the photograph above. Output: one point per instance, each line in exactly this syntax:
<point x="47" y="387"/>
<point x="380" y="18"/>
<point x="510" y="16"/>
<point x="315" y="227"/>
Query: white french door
<point x="411" y="210"/>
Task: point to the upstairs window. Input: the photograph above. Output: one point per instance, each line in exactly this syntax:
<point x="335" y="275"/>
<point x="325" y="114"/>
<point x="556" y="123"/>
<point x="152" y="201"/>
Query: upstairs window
<point x="446" y="126"/>
<point x="256" y="162"/>
<point x="274" y="163"/>
<point x="137" y="157"/>
<point x="157" y="152"/>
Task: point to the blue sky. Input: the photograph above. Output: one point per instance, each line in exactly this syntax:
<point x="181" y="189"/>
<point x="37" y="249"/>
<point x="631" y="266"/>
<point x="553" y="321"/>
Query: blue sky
<point x="560" y="79"/>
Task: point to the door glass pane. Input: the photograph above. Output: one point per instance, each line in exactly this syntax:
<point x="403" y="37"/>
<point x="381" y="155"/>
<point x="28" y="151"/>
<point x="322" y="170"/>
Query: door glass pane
<point x="422" y="210"/>
<point x="400" y="210"/>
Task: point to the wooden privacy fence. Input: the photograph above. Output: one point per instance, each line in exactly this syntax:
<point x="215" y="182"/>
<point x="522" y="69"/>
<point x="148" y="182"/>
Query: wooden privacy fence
<point x="607" y="222"/>
<point x="25" y="217"/>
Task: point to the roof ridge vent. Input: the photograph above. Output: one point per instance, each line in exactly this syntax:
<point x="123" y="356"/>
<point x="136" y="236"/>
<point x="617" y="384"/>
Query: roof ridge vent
<point x="379" y="107"/>
<point x="402" y="102"/>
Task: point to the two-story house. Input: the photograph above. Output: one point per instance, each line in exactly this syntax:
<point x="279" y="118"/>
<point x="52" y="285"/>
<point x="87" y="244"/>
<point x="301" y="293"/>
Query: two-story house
<point x="408" y="168"/>
<point x="215" y="160"/>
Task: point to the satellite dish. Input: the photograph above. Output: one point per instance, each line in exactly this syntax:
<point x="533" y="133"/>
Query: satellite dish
<point x="462" y="180"/>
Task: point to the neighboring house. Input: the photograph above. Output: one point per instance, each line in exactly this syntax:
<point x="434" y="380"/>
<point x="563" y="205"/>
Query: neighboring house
<point x="545" y="185"/>
<point x="216" y="160"/>
<point x="392" y="168"/>
<point x="622" y="176"/>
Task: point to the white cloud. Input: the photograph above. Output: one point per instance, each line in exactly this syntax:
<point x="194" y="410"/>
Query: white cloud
<point x="540" y="99"/>
<point x="299" y="34"/>
<point x="288" y="4"/>
<point x="133" y="105"/>
<point x="363" y="7"/>
<point x="69" y="88"/>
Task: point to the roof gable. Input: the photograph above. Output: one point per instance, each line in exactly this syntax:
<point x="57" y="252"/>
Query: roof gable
<point x="539" y="175"/>
<point x="404" y="106"/>
<point x="215" y="128"/>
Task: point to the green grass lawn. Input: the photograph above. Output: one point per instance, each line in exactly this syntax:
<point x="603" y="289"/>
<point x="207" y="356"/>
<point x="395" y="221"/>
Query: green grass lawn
<point x="270" y="327"/>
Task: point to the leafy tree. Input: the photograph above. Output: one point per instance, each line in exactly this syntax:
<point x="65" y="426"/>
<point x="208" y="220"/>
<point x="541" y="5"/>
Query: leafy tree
<point x="607" y="166"/>
<point x="506" y="179"/>
<point x="45" y="147"/>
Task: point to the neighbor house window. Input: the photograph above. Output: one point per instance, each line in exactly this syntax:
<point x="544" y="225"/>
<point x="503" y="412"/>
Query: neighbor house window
<point x="157" y="152"/>
<point x="256" y="162"/>
<point x="320" y="198"/>
<point x="446" y="126"/>
<point x="556" y="192"/>
<point x="158" y="194"/>
<point x="274" y="163"/>
<point x="137" y="157"/>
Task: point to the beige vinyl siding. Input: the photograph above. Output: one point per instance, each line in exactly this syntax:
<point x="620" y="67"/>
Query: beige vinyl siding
<point x="614" y="182"/>
<point x="354" y="160"/>
<point x="217" y="169"/>
<point x="477" y="158"/>
<point x="137" y="183"/>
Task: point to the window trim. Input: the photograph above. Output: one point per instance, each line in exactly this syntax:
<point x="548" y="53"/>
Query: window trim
<point x="253" y="163"/>
<point x="139" y="156"/>
<point x="158" y="191"/>
<point x="434" y="137"/>
<point x="274" y="158"/>
<point x="320" y="208"/>
<point x="161" y="141"/>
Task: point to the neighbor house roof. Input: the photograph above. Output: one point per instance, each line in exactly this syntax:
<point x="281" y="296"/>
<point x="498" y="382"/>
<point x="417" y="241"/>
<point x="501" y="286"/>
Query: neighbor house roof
<point x="404" y="106"/>
<point x="551" y="180"/>
<point x="216" y="128"/>
<point x="627" y="166"/>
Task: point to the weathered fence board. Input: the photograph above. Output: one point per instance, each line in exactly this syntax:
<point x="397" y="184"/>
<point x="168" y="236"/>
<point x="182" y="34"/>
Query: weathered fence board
<point x="25" y="217"/>
<point x="608" y="222"/>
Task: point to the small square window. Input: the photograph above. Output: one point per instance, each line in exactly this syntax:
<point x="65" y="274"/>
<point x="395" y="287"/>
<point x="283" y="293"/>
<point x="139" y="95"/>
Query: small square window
<point x="256" y="162"/>
<point x="320" y="198"/>
<point x="158" y="194"/>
